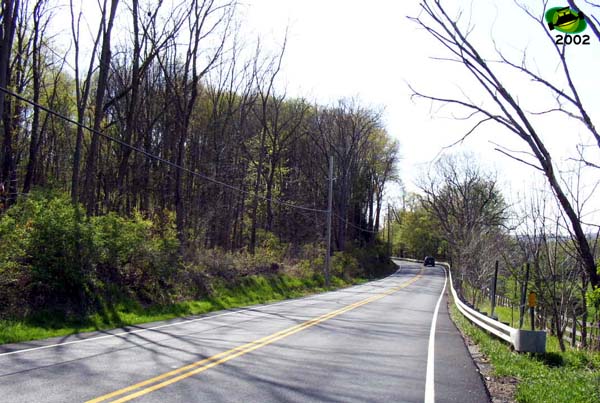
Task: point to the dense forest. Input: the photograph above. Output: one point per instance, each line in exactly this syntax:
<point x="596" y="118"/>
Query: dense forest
<point x="140" y="136"/>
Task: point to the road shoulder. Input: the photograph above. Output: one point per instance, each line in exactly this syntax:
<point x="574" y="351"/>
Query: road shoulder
<point x="457" y="377"/>
<point x="499" y="389"/>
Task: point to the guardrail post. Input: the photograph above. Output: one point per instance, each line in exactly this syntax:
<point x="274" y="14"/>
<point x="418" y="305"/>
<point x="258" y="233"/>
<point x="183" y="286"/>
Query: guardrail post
<point x="523" y="296"/>
<point x="493" y="292"/>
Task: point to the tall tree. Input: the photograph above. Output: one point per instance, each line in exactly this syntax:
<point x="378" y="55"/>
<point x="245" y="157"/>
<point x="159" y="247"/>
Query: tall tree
<point x="107" y="22"/>
<point x="82" y="91"/>
<point x="344" y="132"/>
<point x="205" y="19"/>
<point x="10" y="15"/>
<point x="40" y="23"/>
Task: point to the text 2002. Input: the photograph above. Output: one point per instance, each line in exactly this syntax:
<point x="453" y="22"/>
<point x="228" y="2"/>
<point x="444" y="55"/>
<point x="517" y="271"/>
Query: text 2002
<point x="572" y="39"/>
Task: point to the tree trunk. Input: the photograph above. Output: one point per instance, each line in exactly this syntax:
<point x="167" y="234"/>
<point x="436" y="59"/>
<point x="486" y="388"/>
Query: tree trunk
<point x="91" y="176"/>
<point x="179" y="202"/>
<point x="37" y="78"/>
<point x="10" y="12"/>
<point x="254" y="214"/>
<point x="132" y="107"/>
<point x="270" y="180"/>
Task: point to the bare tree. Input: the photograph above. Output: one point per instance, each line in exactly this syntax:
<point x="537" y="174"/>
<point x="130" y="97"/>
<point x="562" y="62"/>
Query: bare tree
<point x="205" y="19"/>
<point x="507" y="112"/>
<point x="554" y="270"/>
<point x="107" y="22"/>
<point x="344" y="131"/>
<point x="82" y="91"/>
<point x="41" y="18"/>
<point x="265" y="90"/>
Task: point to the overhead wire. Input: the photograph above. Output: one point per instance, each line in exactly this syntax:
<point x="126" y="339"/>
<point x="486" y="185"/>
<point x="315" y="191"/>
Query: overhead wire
<point x="155" y="157"/>
<point x="355" y="226"/>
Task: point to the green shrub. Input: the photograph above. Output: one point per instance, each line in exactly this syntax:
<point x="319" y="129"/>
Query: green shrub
<point x="118" y="240"/>
<point x="57" y="263"/>
<point x="136" y="254"/>
<point x="48" y="241"/>
<point x="345" y="265"/>
<point x="374" y="260"/>
<point x="53" y="255"/>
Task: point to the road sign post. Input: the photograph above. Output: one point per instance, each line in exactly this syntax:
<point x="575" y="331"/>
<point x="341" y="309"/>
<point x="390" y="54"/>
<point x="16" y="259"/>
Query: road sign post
<point x="532" y="302"/>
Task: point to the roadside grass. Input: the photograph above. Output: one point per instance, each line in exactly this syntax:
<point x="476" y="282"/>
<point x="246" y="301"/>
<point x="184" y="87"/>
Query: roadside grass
<point x="569" y="377"/>
<point x="249" y="291"/>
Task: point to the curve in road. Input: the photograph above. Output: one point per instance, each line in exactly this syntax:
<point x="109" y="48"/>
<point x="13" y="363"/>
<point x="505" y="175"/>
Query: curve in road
<point x="368" y="343"/>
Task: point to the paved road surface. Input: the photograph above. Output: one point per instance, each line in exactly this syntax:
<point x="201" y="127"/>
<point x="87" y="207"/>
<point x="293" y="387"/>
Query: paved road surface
<point x="368" y="343"/>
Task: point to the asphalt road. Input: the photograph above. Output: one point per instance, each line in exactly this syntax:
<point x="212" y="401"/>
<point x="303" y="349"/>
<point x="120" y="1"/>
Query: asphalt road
<point x="368" y="343"/>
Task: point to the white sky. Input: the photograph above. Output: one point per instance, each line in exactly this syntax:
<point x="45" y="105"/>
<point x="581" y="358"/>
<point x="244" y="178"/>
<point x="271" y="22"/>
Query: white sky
<point x="345" y="48"/>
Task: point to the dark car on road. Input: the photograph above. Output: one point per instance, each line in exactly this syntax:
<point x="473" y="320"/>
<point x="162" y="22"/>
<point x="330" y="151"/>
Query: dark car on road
<point x="429" y="261"/>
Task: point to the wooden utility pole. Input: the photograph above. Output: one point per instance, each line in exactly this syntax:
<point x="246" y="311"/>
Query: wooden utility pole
<point x="389" y="228"/>
<point x="329" y="214"/>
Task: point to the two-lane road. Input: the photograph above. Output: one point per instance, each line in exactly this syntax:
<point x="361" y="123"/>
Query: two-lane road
<point x="368" y="343"/>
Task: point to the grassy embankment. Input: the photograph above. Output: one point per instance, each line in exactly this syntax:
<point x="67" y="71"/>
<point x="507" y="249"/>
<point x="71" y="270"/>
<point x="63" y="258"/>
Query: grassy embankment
<point x="572" y="376"/>
<point x="62" y="272"/>
<point x="251" y="290"/>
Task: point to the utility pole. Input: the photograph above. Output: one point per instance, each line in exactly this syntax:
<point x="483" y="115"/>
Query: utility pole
<point x="329" y="214"/>
<point x="389" y="228"/>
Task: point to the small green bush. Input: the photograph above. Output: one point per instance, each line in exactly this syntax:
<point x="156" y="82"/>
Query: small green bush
<point x="137" y="254"/>
<point x="345" y="266"/>
<point x="49" y="242"/>
<point x="374" y="260"/>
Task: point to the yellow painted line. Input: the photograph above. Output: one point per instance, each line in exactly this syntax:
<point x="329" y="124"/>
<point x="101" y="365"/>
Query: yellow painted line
<point x="220" y="358"/>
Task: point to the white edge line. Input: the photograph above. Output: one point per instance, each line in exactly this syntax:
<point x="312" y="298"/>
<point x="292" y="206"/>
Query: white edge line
<point x="429" y="379"/>
<point x="184" y="322"/>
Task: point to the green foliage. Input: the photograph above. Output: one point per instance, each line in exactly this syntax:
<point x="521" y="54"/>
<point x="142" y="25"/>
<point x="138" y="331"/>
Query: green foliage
<point x="62" y="272"/>
<point x="136" y="255"/>
<point x="374" y="260"/>
<point x="54" y="256"/>
<point x="593" y="298"/>
<point x="117" y="239"/>
<point x="344" y="265"/>
<point x="47" y="241"/>
<point x="417" y="235"/>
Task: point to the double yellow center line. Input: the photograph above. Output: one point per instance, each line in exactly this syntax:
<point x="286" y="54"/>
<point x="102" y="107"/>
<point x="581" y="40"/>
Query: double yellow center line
<point x="168" y="378"/>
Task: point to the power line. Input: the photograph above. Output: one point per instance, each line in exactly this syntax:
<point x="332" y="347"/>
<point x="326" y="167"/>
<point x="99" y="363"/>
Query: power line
<point x="355" y="226"/>
<point x="155" y="157"/>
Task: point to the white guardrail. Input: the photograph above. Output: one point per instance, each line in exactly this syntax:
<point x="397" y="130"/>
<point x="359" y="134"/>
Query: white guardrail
<point x="532" y="341"/>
